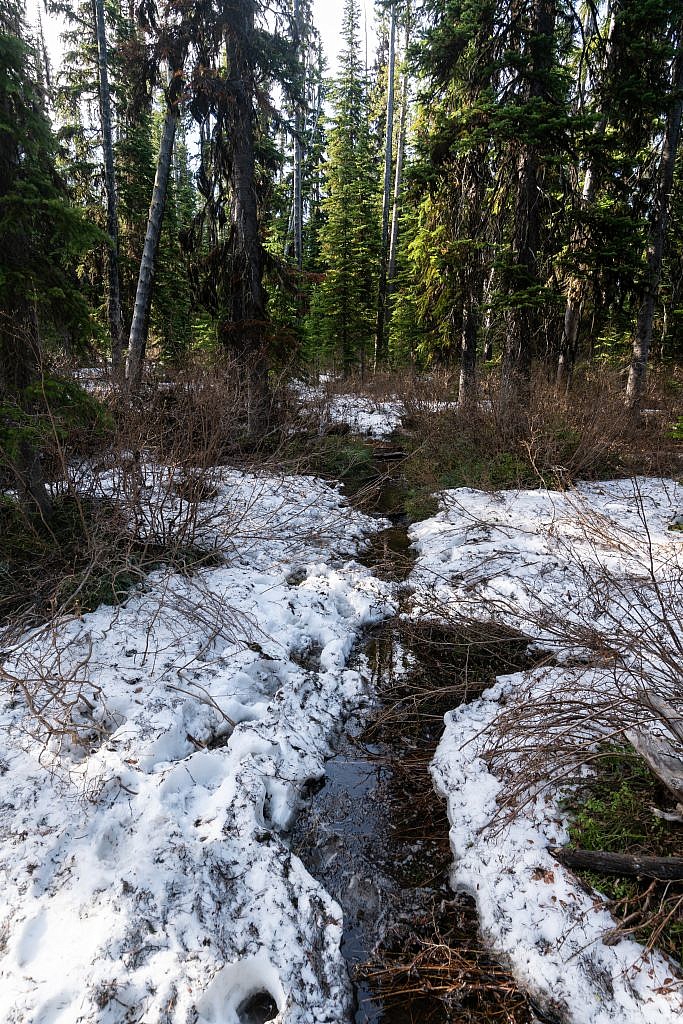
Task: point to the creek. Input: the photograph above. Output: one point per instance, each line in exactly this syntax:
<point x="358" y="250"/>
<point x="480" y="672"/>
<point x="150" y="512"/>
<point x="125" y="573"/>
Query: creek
<point x="376" y="834"/>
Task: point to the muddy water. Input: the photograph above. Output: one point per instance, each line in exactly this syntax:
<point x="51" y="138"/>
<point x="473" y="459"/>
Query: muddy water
<point x="376" y="834"/>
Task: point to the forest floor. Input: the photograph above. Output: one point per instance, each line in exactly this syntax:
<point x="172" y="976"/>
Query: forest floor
<point x="170" y="851"/>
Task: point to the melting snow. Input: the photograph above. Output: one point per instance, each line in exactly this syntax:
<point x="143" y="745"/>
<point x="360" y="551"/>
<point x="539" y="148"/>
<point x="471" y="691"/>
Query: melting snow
<point x="144" y="870"/>
<point x="534" y="559"/>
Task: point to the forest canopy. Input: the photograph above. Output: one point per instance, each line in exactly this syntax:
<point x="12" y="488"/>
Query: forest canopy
<point x="497" y="186"/>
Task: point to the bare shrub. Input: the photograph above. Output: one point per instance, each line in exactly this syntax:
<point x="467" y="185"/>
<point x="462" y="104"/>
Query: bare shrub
<point x="441" y="972"/>
<point x="619" y="639"/>
<point x="141" y="493"/>
<point x="604" y="607"/>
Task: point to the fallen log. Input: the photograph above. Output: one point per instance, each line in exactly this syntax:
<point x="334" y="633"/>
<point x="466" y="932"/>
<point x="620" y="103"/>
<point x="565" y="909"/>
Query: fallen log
<point x="664" y="869"/>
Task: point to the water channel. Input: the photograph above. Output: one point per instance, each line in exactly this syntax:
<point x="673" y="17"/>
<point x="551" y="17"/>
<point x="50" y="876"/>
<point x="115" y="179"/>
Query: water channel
<point x="376" y="835"/>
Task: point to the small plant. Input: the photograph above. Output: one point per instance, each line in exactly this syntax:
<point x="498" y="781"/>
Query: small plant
<point x="615" y="813"/>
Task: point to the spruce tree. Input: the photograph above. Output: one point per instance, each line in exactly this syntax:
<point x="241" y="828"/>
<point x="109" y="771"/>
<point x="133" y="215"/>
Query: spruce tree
<point x="43" y="238"/>
<point x="345" y="306"/>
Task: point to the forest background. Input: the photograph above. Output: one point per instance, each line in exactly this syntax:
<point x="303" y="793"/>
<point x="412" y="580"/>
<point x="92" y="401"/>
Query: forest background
<point x="488" y="188"/>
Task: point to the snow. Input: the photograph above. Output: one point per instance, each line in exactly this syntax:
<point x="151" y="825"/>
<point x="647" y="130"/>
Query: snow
<point x="544" y="562"/>
<point x="540" y="560"/>
<point x="363" y="415"/>
<point x="532" y="910"/>
<point x="144" y="863"/>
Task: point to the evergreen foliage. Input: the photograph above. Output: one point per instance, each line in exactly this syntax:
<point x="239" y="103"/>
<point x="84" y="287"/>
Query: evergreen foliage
<point x="344" y="306"/>
<point x="526" y="220"/>
<point x="43" y="235"/>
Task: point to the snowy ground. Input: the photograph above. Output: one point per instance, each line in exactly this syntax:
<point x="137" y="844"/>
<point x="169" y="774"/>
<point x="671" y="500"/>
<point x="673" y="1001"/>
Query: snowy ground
<point x="361" y="414"/>
<point x="547" y="563"/>
<point x="145" y="871"/>
<point x="145" y="868"/>
<point x="364" y="415"/>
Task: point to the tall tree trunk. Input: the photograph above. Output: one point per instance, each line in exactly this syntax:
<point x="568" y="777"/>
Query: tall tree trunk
<point x="642" y="341"/>
<point x="577" y="286"/>
<point x="248" y="321"/>
<point x="467" y="390"/>
<point x="398" y="180"/>
<point x="139" y="327"/>
<point x="473" y="177"/>
<point x="298" y="210"/>
<point x="523" y="275"/>
<point x="487" y="354"/>
<point x="114" y="288"/>
<point x="380" y="345"/>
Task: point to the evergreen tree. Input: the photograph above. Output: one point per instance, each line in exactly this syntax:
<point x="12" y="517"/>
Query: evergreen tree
<point x="380" y="339"/>
<point x="43" y="237"/>
<point x="344" y="310"/>
<point x="642" y="341"/>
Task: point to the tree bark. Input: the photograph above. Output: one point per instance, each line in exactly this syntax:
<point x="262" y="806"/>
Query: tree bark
<point x="665" y="869"/>
<point x="576" y="290"/>
<point x="139" y="327"/>
<point x="398" y="182"/>
<point x="33" y="492"/>
<point x="298" y="210"/>
<point x="380" y="343"/>
<point x="114" y="315"/>
<point x="663" y="758"/>
<point x="248" y="319"/>
<point x="523" y="274"/>
<point x="637" y="378"/>
<point x="467" y="391"/>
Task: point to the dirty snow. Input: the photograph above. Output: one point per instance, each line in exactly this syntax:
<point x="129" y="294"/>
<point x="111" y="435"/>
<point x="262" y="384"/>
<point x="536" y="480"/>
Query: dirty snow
<point x="546" y="562"/>
<point x="364" y="415"/>
<point x="361" y="414"/>
<point x="145" y="868"/>
<point x="144" y="864"/>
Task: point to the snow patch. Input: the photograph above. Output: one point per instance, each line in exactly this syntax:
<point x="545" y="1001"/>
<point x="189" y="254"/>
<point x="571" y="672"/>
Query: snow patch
<point x="144" y="866"/>
<point x="531" y="909"/>
<point x="550" y="564"/>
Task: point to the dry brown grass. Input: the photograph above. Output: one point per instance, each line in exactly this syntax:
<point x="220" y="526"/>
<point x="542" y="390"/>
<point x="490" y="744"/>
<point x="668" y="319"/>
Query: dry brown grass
<point x="554" y="438"/>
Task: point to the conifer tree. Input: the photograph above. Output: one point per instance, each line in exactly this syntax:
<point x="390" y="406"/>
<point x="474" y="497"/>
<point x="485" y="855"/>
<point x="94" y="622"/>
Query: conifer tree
<point x="43" y="237"/>
<point x="344" y="313"/>
<point x="642" y="341"/>
<point x="380" y="340"/>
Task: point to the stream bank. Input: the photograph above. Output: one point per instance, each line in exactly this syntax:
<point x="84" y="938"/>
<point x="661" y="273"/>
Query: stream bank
<point x="376" y="834"/>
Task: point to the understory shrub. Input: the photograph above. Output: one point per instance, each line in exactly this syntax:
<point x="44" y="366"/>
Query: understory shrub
<point x="617" y="810"/>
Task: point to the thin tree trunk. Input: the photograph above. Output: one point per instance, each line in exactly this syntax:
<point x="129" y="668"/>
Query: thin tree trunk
<point x="487" y="354"/>
<point x="522" y="327"/>
<point x="642" y="341"/>
<point x="114" y="287"/>
<point x="398" y="180"/>
<point x="249" y="297"/>
<point x="298" y="155"/>
<point x="33" y="492"/>
<point x="380" y="346"/>
<point x="467" y="390"/>
<point x="139" y="327"/>
<point x="576" y="291"/>
<point x="577" y="286"/>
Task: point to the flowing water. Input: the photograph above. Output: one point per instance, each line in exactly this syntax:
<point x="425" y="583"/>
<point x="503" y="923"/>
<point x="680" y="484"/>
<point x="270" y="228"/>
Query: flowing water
<point x="376" y="834"/>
